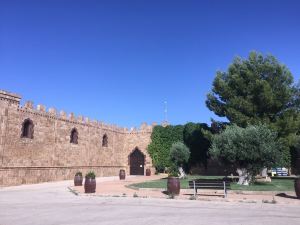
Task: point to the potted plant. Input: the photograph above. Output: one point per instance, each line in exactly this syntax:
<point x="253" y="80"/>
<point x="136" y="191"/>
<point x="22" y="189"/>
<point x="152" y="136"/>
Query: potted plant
<point x="173" y="185"/>
<point x="90" y="182"/>
<point x="122" y="174"/>
<point x="297" y="187"/>
<point x="179" y="154"/>
<point x="78" y="179"/>
<point x="148" y="172"/>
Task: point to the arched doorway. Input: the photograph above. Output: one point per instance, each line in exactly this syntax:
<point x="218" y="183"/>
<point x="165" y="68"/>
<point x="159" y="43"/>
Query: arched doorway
<point x="137" y="162"/>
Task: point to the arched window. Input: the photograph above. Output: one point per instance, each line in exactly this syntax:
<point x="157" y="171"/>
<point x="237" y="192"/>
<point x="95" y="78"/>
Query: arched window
<point x="27" y="129"/>
<point x="105" y="141"/>
<point x="74" y="136"/>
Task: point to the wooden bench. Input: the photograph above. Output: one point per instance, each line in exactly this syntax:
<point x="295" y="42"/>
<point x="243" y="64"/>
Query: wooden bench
<point x="210" y="184"/>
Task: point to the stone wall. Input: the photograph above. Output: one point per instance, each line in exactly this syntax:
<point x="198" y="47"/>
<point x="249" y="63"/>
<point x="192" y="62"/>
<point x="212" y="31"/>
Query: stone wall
<point x="50" y="156"/>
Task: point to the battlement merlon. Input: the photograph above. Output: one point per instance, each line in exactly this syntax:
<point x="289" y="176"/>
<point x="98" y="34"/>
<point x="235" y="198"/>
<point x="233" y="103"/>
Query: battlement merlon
<point x="10" y="97"/>
<point x="14" y="100"/>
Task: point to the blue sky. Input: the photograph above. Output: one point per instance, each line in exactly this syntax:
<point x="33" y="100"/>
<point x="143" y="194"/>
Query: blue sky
<point x="117" y="61"/>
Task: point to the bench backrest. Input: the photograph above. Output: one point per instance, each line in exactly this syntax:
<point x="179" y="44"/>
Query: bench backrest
<point x="209" y="184"/>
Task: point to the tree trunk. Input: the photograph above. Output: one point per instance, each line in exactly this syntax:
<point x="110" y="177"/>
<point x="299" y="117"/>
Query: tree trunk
<point x="244" y="176"/>
<point x="182" y="173"/>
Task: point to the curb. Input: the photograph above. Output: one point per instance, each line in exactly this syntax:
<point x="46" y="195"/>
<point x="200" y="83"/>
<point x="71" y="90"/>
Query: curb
<point x="217" y="191"/>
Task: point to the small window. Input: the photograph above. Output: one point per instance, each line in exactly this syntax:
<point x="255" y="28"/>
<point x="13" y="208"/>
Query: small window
<point x="74" y="136"/>
<point x="105" y="141"/>
<point x="27" y="129"/>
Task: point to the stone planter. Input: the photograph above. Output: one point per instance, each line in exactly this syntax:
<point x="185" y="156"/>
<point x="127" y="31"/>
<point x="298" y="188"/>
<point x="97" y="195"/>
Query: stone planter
<point x="173" y="186"/>
<point x="78" y="180"/>
<point x="90" y="185"/>
<point x="297" y="187"/>
<point x="122" y="174"/>
<point x="148" y="172"/>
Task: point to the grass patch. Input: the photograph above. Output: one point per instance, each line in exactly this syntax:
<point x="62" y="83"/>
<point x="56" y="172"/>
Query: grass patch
<point x="275" y="185"/>
<point x="286" y="184"/>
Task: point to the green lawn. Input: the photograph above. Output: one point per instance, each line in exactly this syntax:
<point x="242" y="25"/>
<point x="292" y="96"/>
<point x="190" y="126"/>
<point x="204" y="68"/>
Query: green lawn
<point x="277" y="184"/>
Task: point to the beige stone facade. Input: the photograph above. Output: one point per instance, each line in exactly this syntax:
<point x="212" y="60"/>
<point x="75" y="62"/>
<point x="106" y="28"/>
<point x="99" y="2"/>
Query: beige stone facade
<point x="49" y="155"/>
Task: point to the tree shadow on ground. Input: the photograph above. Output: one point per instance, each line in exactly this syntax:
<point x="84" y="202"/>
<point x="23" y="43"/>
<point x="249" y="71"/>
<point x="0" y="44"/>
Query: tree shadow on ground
<point x="165" y="192"/>
<point x="284" y="195"/>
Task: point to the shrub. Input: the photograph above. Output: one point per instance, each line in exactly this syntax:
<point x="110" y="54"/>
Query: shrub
<point x="90" y="174"/>
<point x="78" y="174"/>
<point x="179" y="154"/>
<point x="135" y="195"/>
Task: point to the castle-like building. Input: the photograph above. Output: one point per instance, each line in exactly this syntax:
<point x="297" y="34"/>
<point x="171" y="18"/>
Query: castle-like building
<point x="39" y="145"/>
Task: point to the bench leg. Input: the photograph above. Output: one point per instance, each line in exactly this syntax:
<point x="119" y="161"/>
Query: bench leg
<point x="225" y="190"/>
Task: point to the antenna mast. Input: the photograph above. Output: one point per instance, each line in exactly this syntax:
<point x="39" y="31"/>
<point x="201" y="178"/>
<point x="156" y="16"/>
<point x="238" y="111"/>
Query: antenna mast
<point x="165" y="122"/>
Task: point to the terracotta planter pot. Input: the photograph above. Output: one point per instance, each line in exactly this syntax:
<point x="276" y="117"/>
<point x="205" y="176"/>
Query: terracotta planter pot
<point x="89" y="185"/>
<point x="297" y="187"/>
<point x="122" y="174"/>
<point x="148" y="172"/>
<point x="173" y="186"/>
<point x="78" y="180"/>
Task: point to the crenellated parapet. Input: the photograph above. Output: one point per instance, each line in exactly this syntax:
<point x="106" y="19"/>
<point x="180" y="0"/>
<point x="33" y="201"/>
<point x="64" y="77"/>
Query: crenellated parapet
<point x="10" y="98"/>
<point x="52" y="113"/>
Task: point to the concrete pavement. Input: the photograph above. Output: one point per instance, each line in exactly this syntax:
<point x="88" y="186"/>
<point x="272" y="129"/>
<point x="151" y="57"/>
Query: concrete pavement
<point x="52" y="203"/>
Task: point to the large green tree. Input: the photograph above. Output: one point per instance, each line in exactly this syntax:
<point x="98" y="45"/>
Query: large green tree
<point x="256" y="90"/>
<point x="194" y="137"/>
<point x="247" y="149"/>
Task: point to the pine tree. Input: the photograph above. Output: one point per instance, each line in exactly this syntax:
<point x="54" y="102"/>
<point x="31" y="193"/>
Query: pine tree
<point x="258" y="90"/>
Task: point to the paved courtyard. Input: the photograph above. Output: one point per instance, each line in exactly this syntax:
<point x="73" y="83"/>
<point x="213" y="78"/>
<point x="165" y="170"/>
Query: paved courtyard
<point x="113" y="187"/>
<point x="53" y="203"/>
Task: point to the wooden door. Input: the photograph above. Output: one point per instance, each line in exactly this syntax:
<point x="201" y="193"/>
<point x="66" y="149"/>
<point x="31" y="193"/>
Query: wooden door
<point x="137" y="162"/>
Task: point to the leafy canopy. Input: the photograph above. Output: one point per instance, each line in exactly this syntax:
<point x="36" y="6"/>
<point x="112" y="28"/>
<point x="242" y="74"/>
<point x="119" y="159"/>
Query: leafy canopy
<point x="90" y="174"/>
<point x="194" y="136"/>
<point x="162" y="139"/>
<point x="252" y="148"/>
<point x="191" y="134"/>
<point x="258" y="90"/>
<point x="179" y="154"/>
